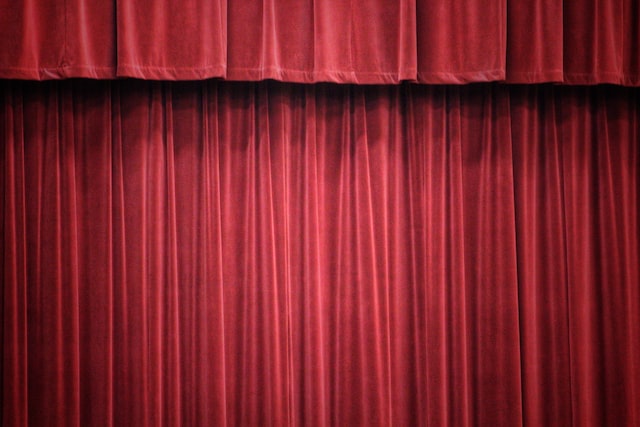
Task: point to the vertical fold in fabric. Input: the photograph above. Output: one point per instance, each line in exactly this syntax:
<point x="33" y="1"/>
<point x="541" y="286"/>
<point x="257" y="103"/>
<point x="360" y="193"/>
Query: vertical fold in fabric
<point x="383" y="40"/>
<point x="490" y="264"/>
<point x="461" y="42"/>
<point x="541" y="245"/>
<point x="255" y="249"/>
<point x="601" y="194"/>
<point x="15" y="365"/>
<point x="32" y="37"/>
<point x="271" y="39"/>
<point x="441" y="308"/>
<point x="312" y="41"/>
<point x="309" y="323"/>
<point x="50" y="287"/>
<point x="601" y="42"/>
<point x="165" y="40"/>
<point x="535" y="41"/>
<point x="90" y="39"/>
<point x="93" y="181"/>
<point x="199" y="249"/>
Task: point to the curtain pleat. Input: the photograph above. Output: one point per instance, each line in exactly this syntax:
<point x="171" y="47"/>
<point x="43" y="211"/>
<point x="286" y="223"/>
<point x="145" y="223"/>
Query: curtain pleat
<point x="542" y="262"/>
<point x="266" y="254"/>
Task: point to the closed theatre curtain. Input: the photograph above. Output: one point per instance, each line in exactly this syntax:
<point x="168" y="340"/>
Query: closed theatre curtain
<point x="308" y="41"/>
<point x="221" y="253"/>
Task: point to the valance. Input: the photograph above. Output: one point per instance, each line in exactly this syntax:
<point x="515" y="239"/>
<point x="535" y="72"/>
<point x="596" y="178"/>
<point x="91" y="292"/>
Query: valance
<point x="344" y="41"/>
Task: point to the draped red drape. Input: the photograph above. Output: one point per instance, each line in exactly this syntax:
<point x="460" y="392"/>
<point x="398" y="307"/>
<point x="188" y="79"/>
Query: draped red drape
<point x="345" y="41"/>
<point x="265" y="254"/>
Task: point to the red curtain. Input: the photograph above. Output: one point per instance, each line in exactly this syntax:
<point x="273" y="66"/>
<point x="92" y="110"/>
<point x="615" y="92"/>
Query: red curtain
<point x="266" y="254"/>
<point x="345" y="41"/>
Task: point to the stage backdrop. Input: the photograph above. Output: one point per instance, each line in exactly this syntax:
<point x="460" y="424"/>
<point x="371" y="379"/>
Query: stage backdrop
<point x="219" y="253"/>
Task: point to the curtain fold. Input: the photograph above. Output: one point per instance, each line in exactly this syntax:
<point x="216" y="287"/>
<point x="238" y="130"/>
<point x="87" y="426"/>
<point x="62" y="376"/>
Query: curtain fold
<point x="265" y="254"/>
<point x="343" y="41"/>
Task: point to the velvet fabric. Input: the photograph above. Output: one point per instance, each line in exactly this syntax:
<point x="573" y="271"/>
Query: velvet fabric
<point x="343" y="41"/>
<point x="220" y="253"/>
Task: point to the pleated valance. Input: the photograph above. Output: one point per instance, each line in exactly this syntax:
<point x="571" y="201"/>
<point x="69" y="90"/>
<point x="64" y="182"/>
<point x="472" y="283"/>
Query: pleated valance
<point x="344" y="41"/>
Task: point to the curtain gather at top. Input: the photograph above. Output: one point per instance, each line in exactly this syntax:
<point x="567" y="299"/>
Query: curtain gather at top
<point x="344" y="41"/>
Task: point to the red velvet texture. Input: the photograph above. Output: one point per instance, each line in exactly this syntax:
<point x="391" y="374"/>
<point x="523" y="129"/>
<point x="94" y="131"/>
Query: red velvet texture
<point x="266" y="254"/>
<point x="344" y="41"/>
